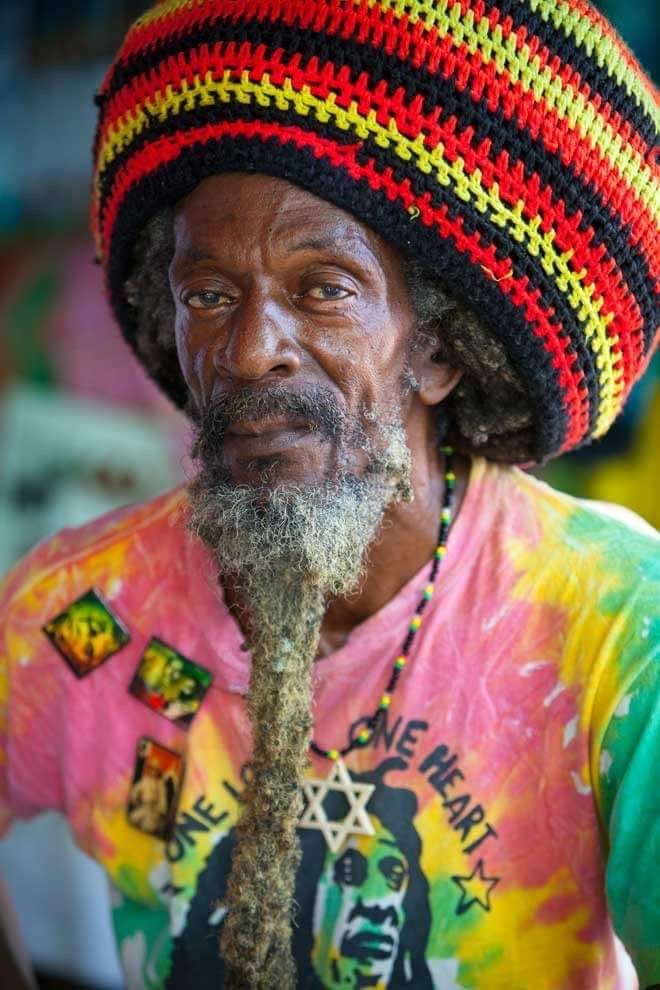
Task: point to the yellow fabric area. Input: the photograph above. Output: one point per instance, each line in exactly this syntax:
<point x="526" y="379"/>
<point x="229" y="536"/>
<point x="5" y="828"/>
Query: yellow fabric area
<point x="580" y="296"/>
<point x="518" y="930"/>
<point x="633" y="479"/>
<point x="528" y="939"/>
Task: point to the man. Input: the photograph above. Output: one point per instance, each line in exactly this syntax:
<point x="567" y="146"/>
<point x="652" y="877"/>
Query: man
<point x="350" y="239"/>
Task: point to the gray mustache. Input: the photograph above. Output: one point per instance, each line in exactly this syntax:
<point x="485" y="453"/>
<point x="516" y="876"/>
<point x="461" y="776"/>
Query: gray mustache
<point x="315" y="405"/>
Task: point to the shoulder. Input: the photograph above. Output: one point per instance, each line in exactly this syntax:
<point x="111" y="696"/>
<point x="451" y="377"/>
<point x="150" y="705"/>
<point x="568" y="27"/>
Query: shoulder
<point x="595" y="568"/>
<point x="98" y="554"/>
<point x="557" y="525"/>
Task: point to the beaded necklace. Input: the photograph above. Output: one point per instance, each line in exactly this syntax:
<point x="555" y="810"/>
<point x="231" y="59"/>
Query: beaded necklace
<point x="357" y="795"/>
<point x="366" y="734"/>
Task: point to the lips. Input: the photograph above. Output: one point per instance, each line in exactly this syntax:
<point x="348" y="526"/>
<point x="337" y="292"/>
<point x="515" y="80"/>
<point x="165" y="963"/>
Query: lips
<point x="268" y="427"/>
<point x="269" y="437"/>
<point x="370" y="944"/>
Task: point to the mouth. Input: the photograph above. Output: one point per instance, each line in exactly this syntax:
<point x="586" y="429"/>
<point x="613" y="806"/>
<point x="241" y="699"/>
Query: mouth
<point x="268" y="427"/>
<point x="267" y="438"/>
<point x="372" y="944"/>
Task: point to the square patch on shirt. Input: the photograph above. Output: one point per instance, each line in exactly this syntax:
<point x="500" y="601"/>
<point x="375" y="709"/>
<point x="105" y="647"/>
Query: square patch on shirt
<point x="154" y="793"/>
<point x="86" y="633"/>
<point x="169" y="683"/>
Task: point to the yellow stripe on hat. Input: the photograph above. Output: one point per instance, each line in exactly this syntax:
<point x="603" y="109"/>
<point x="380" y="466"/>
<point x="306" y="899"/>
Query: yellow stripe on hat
<point x="599" y="47"/>
<point x="160" y="11"/>
<point x="575" y="25"/>
<point x="545" y="85"/>
<point x="569" y="105"/>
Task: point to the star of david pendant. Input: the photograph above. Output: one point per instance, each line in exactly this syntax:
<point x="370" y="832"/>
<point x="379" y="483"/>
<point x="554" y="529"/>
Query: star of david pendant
<point x="356" y="822"/>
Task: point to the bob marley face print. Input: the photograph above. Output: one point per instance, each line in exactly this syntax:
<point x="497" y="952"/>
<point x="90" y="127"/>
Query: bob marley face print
<point x="371" y="912"/>
<point x="363" y="913"/>
<point x="359" y="911"/>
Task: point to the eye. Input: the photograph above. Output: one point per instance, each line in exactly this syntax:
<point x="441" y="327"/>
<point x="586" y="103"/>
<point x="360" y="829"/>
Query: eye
<point x="394" y="871"/>
<point x="206" y="299"/>
<point x="350" y="869"/>
<point x="327" y="292"/>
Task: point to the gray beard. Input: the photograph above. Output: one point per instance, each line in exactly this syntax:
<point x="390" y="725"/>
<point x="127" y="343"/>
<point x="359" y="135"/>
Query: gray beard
<point x="320" y="534"/>
<point x="286" y="549"/>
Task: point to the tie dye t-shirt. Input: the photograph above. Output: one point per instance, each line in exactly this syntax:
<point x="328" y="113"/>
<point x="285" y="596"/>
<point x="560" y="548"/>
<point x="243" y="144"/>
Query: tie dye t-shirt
<point x="514" y="788"/>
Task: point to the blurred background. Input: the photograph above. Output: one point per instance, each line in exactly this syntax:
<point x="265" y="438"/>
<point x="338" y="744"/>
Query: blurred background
<point x="81" y="428"/>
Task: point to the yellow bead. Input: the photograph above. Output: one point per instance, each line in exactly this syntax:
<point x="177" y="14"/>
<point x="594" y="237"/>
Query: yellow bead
<point x="363" y="735"/>
<point x="429" y="589"/>
<point x="333" y="754"/>
<point x="416" y="622"/>
<point x="385" y="701"/>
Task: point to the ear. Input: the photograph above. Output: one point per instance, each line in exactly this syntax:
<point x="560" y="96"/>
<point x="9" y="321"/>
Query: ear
<point x="436" y="378"/>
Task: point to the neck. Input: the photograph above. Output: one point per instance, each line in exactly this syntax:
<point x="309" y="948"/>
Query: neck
<point x="409" y="535"/>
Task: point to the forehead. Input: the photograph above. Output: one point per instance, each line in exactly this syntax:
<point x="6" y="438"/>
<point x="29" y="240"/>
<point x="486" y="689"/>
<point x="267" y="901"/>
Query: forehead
<point x="259" y="212"/>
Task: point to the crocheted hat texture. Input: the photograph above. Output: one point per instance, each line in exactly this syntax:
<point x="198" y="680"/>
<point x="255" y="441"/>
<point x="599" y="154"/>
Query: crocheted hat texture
<point x="512" y="145"/>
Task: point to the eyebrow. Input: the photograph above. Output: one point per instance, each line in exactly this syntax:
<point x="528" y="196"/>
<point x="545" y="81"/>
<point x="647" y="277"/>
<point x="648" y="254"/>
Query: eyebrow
<point x="193" y="255"/>
<point x="313" y="244"/>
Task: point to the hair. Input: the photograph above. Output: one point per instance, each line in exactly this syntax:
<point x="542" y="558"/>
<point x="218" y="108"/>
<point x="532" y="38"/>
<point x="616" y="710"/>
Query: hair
<point x="488" y="411"/>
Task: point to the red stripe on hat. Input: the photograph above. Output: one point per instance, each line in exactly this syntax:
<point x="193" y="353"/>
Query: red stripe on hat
<point x="409" y="40"/>
<point x="470" y="74"/>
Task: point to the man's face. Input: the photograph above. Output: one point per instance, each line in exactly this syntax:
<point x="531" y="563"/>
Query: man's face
<point x="276" y="287"/>
<point x="359" y="912"/>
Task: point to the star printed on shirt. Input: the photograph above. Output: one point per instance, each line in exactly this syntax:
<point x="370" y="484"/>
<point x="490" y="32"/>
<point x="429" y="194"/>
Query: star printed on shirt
<point x="356" y="822"/>
<point x="475" y="889"/>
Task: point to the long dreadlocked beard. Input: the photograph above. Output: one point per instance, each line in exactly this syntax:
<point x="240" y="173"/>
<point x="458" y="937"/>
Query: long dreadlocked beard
<point x="286" y="549"/>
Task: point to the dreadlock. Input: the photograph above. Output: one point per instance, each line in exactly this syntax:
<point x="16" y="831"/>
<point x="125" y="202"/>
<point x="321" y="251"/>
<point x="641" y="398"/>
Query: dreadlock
<point x="487" y="412"/>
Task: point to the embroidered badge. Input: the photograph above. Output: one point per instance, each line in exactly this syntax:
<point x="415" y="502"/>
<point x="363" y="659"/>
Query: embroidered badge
<point x="356" y="822"/>
<point x="86" y="633"/>
<point x="170" y="683"/>
<point x="154" y="794"/>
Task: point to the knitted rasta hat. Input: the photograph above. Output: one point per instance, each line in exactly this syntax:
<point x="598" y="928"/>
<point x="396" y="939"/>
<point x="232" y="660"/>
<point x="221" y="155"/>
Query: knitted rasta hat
<point x="508" y="143"/>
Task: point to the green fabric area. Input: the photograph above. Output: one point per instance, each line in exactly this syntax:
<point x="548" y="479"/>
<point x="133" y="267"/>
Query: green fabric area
<point x="633" y="559"/>
<point x="445" y="939"/>
<point x="143" y="941"/>
<point x="630" y="750"/>
<point x="631" y="805"/>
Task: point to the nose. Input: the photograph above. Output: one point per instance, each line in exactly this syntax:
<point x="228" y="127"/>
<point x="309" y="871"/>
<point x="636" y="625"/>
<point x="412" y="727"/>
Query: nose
<point x="260" y="344"/>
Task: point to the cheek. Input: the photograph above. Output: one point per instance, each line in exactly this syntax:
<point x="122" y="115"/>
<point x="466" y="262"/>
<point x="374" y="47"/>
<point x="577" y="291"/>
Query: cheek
<point x="193" y="352"/>
<point x="379" y="375"/>
<point x="366" y="358"/>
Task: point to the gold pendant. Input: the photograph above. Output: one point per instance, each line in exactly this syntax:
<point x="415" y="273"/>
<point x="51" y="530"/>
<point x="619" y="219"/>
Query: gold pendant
<point x="356" y="822"/>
